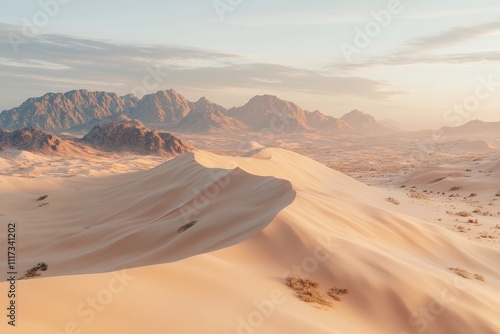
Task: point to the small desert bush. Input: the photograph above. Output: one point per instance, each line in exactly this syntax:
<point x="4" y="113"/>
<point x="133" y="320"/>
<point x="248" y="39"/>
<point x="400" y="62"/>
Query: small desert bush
<point x="393" y="200"/>
<point x="33" y="272"/>
<point x="187" y="226"/>
<point x="473" y="195"/>
<point x="41" y="198"/>
<point x="417" y="195"/>
<point x="455" y="188"/>
<point x="463" y="214"/>
<point x="479" y="277"/>
<point x="307" y="290"/>
<point x="335" y="292"/>
<point x="461" y="272"/>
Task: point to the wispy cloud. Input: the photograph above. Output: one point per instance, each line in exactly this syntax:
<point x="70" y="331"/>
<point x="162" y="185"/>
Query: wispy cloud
<point x="451" y="37"/>
<point x="67" y="63"/>
<point x="440" y="14"/>
<point x="423" y="51"/>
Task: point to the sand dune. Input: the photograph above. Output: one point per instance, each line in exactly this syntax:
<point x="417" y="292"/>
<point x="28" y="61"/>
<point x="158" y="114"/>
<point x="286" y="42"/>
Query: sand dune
<point x="259" y="220"/>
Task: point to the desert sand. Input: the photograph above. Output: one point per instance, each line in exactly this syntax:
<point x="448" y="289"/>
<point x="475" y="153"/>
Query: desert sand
<point x="204" y="243"/>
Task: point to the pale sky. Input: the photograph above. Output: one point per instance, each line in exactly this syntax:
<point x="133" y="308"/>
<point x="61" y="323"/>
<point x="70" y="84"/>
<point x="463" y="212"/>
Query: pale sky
<point x="419" y="62"/>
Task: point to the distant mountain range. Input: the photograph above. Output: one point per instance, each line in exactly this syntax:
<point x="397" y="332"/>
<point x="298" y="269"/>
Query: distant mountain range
<point x="472" y="129"/>
<point x="80" y="110"/>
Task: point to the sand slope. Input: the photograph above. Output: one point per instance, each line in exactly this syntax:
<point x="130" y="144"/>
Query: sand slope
<point x="260" y="219"/>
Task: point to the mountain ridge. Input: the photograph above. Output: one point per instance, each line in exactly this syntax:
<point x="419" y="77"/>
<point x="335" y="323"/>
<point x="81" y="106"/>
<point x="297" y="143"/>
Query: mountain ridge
<point x="80" y="110"/>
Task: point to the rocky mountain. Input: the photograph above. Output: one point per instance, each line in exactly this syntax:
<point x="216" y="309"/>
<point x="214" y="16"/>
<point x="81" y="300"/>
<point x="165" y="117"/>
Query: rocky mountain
<point x="475" y="129"/>
<point x="35" y="140"/>
<point x="57" y="112"/>
<point x="79" y="111"/>
<point x="117" y="118"/>
<point x="361" y="121"/>
<point x="268" y="112"/>
<point x="163" y="107"/>
<point x="117" y="137"/>
<point x="208" y="117"/>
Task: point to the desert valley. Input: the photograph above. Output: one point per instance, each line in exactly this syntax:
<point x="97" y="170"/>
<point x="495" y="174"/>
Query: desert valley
<point x="133" y="215"/>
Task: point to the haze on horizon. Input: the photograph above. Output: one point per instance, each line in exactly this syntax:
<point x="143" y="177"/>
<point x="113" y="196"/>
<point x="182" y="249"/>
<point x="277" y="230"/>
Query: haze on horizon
<point x="416" y="62"/>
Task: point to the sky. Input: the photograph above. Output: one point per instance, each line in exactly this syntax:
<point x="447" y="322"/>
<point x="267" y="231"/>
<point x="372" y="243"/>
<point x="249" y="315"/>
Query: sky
<point x="418" y="62"/>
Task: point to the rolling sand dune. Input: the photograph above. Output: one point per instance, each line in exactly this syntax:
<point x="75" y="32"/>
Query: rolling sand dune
<point x="258" y="220"/>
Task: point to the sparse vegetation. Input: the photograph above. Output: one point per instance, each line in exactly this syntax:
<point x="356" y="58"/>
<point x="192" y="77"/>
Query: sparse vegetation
<point x="43" y="204"/>
<point x="473" y="195"/>
<point x="41" y="198"/>
<point x="455" y="188"/>
<point x="187" y="226"/>
<point x="34" y="272"/>
<point x="463" y="214"/>
<point x="336" y="292"/>
<point x="417" y="195"/>
<point x="461" y="272"/>
<point x="486" y="235"/>
<point x="479" y="277"/>
<point x="393" y="200"/>
<point x="462" y="229"/>
<point x="307" y="290"/>
<point x="473" y="221"/>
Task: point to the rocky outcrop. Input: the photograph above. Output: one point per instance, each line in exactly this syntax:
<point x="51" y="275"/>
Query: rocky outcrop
<point x="35" y="140"/>
<point x="117" y="137"/>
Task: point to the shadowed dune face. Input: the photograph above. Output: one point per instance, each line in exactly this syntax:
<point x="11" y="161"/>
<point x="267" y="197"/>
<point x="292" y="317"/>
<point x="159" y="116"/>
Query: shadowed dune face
<point x="135" y="221"/>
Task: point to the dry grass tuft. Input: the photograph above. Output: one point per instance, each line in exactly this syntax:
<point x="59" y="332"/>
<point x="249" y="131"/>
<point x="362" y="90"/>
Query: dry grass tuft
<point x="417" y="195"/>
<point x="455" y="188"/>
<point x="393" y="200"/>
<point x="34" y="272"/>
<point x="463" y="214"/>
<point x="307" y="290"/>
<point x="335" y="292"/>
<point x="461" y="272"/>
<point x="187" y="226"/>
<point x="41" y="198"/>
<point x="479" y="277"/>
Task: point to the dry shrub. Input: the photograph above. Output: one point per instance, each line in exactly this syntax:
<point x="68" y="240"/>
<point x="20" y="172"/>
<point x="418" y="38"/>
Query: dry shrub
<point x="461" y="272"/>
<point x="335" y="292"/>
<point x="307" y="290"/>
<point x="187" y="226"/>
<point x="393" y="200"/>
<point x="463" y="214"/>
<point x="455" y="188"/>
<point x="417" y="195"/>
<point x="41" y="198"/>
